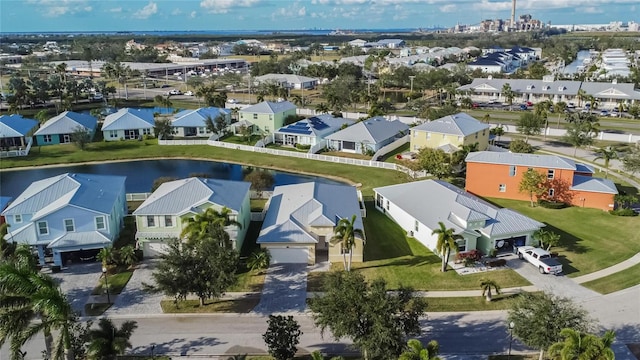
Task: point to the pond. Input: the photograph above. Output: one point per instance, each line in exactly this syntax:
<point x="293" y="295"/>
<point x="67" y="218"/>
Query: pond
<point x="141" y="174"/>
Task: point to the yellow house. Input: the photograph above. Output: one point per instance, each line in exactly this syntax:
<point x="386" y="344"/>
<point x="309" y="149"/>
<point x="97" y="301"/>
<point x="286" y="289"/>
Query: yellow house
<point x="301" y="219"/>
<point x="450" y="133"/>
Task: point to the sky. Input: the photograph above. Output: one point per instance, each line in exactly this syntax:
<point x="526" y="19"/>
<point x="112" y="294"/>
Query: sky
<point x="194" y="15"/>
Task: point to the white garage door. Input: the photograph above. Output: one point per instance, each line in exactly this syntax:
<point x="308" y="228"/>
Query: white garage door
<point x="154" y="249"/>
<point x="298" y="255"/>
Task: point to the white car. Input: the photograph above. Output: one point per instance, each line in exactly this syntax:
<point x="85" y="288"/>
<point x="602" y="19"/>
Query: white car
<point x="175" y="92"/>
<point x="97" y="97"/>
<point x="189" y="93"/>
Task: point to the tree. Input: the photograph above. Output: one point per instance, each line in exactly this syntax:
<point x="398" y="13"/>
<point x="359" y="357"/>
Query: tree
<point x="127" y="256"/>
<point x="508" y="94"/>
<point x="374" y="319"/>
<point x="164" y="101"/>
<point x="486" y="285"/>
<point x="533" y="183"/>
<point x="520" y="146"/>
<point x="119" y="72"/>
<point x="548" y="238"/>
<point x="322" y="108"/>
<point x="577" y="345"/>
<point x="200" y="225"/>
<point x="631" y="161"/>
<point x="529" y="124"/>
<point x="259" y="259"/>
<point x="106" y="256"/>
<point x="108" y="341"/>
<point x="580" y="134"/>
<point x="607" y="154"/>
<point x="497" y="131"/>
<point x="435" y="162"/>
<point x="162" y="129"/>
<point x="260" y="180"/>
<point x="345" y="234"/>
<point x="446" y="241"/>
<point x="559" y="108"/>
<point x="539" y="318"/>
<point x="416" y="351"/>
<point x="282" y="337"/>
<point x="81" y="137"/>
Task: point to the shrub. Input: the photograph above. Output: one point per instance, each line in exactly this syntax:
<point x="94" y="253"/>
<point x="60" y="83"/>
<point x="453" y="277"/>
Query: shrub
<point x="474" y="255"/>
<point x="497" y="263"/>
<point x="469" y="261"/>
<point x="552" y="204"/>
<point x="520" y="146"/>
<point x="493" y="252"/>
<point x="623" y="212"/>
<point x="303" y="147"/>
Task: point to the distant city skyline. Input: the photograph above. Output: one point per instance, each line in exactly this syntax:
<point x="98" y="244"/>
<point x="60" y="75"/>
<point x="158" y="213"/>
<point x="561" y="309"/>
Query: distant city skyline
<point x="198" y="15"/>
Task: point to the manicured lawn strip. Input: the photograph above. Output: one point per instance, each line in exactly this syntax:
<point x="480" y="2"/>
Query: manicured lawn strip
<point x="117" y="282"/>
<point x="615" y="282"/>
<point x="96" y="309"/>
<point x="248" y="281"/>
<point x="347" y="155"/>
<point x="391" y="157"/>
<point x="243" y="305"/>
<point x="591" y="239"/>
<point x="477" y="303"/>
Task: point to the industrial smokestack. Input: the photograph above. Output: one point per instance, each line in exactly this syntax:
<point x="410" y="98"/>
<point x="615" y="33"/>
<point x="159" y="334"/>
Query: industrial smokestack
<point x="513" y="14"/>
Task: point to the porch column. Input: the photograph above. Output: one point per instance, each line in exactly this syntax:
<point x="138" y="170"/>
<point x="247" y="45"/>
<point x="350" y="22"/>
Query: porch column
<point x="57" y="258"/>
<point x="40" y="249"/>
<point x="22" y="141"/>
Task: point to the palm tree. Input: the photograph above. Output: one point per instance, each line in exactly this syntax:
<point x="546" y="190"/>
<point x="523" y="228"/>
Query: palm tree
<point x="508" y="94"/>
<point x="345" y="234"/>
<point x="559" y="109"/>
<point x="107" y="341"/>
<point x="581" y="95"/>
<point x="105" y="255"/>
<point x="498" y="131"/>
<point x="199" y="225"/>
<point x="259" y="259"/>
<point x="416" y="351"/>
<point x="486" y="285"/>
<point x="127" y="255"/>
<point x="446" y="242"/>
<point x="119" y="72"/>
<point x="583" y="346"/>
<point x="607" y="154"/>
<point x="322" y="108"/>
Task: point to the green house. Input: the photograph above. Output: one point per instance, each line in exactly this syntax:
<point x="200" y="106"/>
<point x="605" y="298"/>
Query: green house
<point x="267" y="116"/>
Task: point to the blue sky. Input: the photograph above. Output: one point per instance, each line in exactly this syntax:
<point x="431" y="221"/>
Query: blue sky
<point x="177" y="15"/>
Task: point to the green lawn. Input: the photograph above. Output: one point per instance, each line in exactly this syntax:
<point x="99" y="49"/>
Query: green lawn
<point x="117" y="282"/>
<point x="258" y="204"/>
<point x="478" y="303"/>
<point x="591" y="239"/>
<point x="615" y="282"/>
<point x="244" y="305"/>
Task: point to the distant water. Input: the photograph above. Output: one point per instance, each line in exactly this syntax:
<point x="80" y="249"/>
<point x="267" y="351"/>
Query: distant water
<point x="573" y="67"/>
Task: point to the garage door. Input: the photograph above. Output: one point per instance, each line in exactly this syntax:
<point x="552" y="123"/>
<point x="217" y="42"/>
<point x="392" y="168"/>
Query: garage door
<point x="298" y="255"/>
<point x="154" y="249"/>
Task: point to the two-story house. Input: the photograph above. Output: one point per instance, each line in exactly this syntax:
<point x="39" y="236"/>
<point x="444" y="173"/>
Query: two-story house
<point x="450" y="133"/>
<point x="311" y="131"/>
<point x="68" y="216"/>
<point x="165" y="213"/>
<point x="267" y="116"/>
<point x="499" y="174"/>
<point x="301" y="219"/>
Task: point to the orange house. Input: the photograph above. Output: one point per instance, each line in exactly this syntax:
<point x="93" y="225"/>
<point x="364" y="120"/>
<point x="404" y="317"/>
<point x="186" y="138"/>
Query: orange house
<point x="498" y="174"/>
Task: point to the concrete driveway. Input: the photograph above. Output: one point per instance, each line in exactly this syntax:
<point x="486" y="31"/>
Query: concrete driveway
<point x="284" y="291"/>
<point x="134" y="299"/>
<point x="77" y="281"/>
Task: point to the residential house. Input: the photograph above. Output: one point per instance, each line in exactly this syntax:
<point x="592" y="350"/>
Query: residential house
<point x="301" y="219"/>
<point x="193" y="122"/>
<point x="69" y="216"/>
<point x="267" y="116"/>
<point x="311" y="131"/>
<point x="612" y="94"/>
<point x="357" y="43"/>
<point x="547" y="89"/>
<point x="495" y="62"/>
<point x="367" y="136"/>
<point x="418" y="208"/>
<point x="166" y="212"/>
<point x="4" y="202"/>
<point x="58" y="129"/>
<point x="390" y="43"/>
<point x="288" y="81"/>
<point x="16" y="131"/>
<point x="450" y="133"/>
<point x="128" y="124"/>
<point x="498" y="174"/>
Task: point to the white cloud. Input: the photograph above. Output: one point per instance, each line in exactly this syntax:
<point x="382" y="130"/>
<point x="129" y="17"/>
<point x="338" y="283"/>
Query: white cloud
<point x="193" y="14"/>
<point x="116" y="10"/>
<point x="176" y="11"/>
<point x="150" y="9"/>
<point x="448" y="8"/>
<point x="302" y="11"/>
<point x="55" y="8"/>
<point x="590" y="10"/>
<point x="223" y="6"/>
<point x="292" y="11"/>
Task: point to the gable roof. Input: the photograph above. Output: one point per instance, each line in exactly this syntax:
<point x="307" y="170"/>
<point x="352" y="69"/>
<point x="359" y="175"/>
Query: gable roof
<point x="196" y="118"/>
<point x="373" y="130"/>
<point x="66" y="123"/>
<point x="593" y="184"/>
<point x="15" y="126"/>
<point x="529" y="86"/>
<point x="317" y="125"/>
<point x="530" y="160"/>
<point x="269" y="107"/>
<point x="182" y="196"/>
<point x="293" y="208"/>
<point x="460" y="124"/>
<point x="455" y="207"/>
<point x="98" y="193"/>
<point x="128" y="118"/>
<point x="290" y="78"/>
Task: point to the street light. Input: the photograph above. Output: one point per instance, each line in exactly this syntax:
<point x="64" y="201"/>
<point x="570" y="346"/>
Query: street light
<point x="411" y="77"/>
<point x="511" y="326"/>
<point x="106" y="283"/>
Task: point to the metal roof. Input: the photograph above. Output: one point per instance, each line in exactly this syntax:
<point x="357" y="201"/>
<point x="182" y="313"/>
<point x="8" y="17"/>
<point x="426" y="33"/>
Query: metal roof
<point x="196" y="118"/>
<point x="182" y="196"/>
<point x="318" y="125"/>
<point x="433" y="201"/>
<point x="15" y="126"/>
<point x="295" y="208"/>
<point x="290" y="78"/>
<point x="460" y="124"/>
<point x="268" y="107"/>
<point x="127" y="118"/>
<point x="67" y="123"/>
<point x="593" y="184"/>
<point x="530" y="86"/>
<point x="86" y="240"/>
<point x="611" y="90"/>
<point x="373" y="130"/>
<point x="530" y="160"/>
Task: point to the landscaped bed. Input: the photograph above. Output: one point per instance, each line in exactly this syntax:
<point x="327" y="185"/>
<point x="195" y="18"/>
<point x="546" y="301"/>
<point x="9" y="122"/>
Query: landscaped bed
<point x="117" y="282"/>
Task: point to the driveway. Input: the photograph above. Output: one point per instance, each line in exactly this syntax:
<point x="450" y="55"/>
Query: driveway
<point x="134" y="299"/>
<point x="77" y="281"/>
<point x="284" y="291"/>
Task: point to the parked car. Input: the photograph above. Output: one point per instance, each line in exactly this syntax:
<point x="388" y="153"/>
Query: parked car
<point x="523" y="107"/>
<point x="97" y="97"/>
<point x="571" y="105"/>
<point x="604" y="113"/>
<point x="189" y="93"/>
<point x="541" y="259"/>
<point x="529" y="103"/>
<point x="165" y="86"/>
<point x="175" y="92"/>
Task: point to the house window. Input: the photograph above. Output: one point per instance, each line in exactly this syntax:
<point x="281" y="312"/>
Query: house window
<point x="46" y="138"/>
<point x="551" y="192"/>
<point x="428" y="135"/>
<point x="444" y="136"/>
<point x="43" y="228"/>
<point x="151" y="221"/>
<point x="255" y="116"/>
<point x="551" y="173"/>
<point x="168" y="221"/>
<point x="146" y="131"/>
<point x="113" y="133"/>
<point x="270" y="117"/>
<point x="201" y="130"/>
<point x="484" y="132"/>
<point x="69" y="226"/>
<point x="266" y="128"/>
<point x="462" y="245"/>
<point x="459" y="138"/>
<point x="17" y="218"/>
<point x="502" y="187"/>
<point x="387" y="204"/>
<point x="512" y="170"/>
<point x="476" y="135"/>
<point x="416" y="226"/>
<point x="100" y="225"/>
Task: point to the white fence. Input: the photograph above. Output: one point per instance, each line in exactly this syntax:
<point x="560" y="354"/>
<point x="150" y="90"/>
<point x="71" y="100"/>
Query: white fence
<point x="137" y="196"/>
<point x="19" y="152"/>
<point x="390" y="147"/>
<point x="183" y="142"/>
<point x="602" y="135"/>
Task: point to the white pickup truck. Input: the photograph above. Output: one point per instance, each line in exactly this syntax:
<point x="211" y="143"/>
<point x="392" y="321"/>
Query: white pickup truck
<point x="541" y="259"/>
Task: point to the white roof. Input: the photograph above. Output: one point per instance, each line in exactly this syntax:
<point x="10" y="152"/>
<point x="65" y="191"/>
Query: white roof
<point x="126" y="119"/>
<point x="269" y="107"/>
<point x="521" y="159"/>
<point x="460" y="124"/>
<point x="373" y="130"/>
<point x="66" y="123"/>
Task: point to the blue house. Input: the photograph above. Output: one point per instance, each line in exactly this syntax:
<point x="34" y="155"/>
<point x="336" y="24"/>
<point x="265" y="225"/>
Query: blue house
<point x="16" y="131"/>
<point x="69" y="216"/>
<point x="58" y="129"/>
<point x="193" y="122"/>
<point x="128" y="124"/>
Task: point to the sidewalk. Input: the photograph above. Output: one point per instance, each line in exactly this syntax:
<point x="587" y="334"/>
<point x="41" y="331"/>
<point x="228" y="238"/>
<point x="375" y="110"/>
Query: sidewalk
<point x="635" y="259"/>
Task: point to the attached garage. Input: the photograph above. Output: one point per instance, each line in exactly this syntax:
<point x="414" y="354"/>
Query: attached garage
<point x="154" y="248"/>
<point x="290" y="254"/>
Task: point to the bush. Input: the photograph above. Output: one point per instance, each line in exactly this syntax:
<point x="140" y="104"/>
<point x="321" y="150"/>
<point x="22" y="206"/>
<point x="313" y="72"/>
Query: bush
<point x="552" y="204"/>
<point x="520" y="146"/>
<point x="497" y="263"/>
<point x="474" y="255"/>
<point x="493" y="252"/>
<point x="623" y="212"/>
<point x="303" y="147"/>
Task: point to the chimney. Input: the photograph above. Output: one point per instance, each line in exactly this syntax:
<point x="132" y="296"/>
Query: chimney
<point x="513" y="14"/>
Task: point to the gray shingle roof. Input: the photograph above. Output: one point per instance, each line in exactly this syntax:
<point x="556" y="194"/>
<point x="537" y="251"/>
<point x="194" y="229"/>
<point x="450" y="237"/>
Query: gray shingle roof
<point x="432" y="201"/>
<point x="530" y="86"/>
<point x="373" y="130"/>
<point x="181" y="196"/>
<point x="611" y="90"/>
<point x="268" y="107"/>
<point x="461" y="124"/>
<point x="593" y="184"/>
<point x="290" y="78"/>
<point x="66" y="123"/>
<point x="15" y="125"/>
<point x="126" y="119"/>
<point x="530" y="160"/>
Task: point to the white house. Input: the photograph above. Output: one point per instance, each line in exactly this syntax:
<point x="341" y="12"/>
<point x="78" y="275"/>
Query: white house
<point x="128" y="124"/>
<point x="310" y="131"/>
<point x="289" y="81"/>
<point x="193" y="122"/>
<point x="367" y="136"/>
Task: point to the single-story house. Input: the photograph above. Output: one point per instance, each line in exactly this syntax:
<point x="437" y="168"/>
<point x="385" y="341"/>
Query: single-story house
<point x="289" y="81"/>
<point x="419" y="206"/>
<point x="163" y="215"/>
<point x="451" y="131"/>
<point x="310" y="131"/>
<point x="367" y="136"/>
<point x="128" y="124"/>
<point x="267" y="116"/>
<point x="301" y="219"/>
<point x="58" y="129"/>
<point x="69" y="216"/>
<point x="193" y="122"/>
<point x="16" y="131"/>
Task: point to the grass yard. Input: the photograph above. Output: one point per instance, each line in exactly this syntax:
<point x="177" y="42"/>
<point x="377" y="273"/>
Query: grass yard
<point x="479" y="303"/>
<point x="116" y="282"/>
<point x="591" y="239"/>
<point x="258" y="204"/>
<point x="243" y="305"/>
<point x="248" y="281"/>
<point x="391" y="157"/>
<point x="615" y="282"/>
<point x="346" y="155"/>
